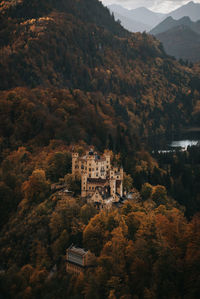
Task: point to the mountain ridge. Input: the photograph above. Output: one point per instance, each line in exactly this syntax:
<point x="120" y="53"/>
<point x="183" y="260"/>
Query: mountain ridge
<point x="186" y="44"/>
<point x="169" y="23"/>
<point x="191" y="9"/>
<point x="182" y="42"/>
<point x="129" y="24"/>
<point x="151" y="18"/>
<point x="137" y="15"/>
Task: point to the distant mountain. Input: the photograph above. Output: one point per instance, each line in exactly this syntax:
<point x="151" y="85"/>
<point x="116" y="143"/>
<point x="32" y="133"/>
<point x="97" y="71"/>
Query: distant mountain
<point x="146" y="16"/>
<point x="131" y="24"/>
<point x="119" y="9"/>
<point x="139" y="19"/>
<point x="191" y="10"/>
<point x="180" y="38"/>
<point x="181" y="42"/>
<point x="170" y="23"/>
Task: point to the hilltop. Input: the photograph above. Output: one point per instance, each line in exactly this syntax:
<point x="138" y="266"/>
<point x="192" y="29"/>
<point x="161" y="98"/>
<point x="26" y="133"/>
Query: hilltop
<point x="190" y="9"/>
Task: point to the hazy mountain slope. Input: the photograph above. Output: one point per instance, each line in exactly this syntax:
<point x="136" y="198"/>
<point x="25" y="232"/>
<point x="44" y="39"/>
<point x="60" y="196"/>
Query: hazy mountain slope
<point x="152" y="19"/>
<point x="170" y="23"/>
<point x="147" y="16"/>
<point x="181" y="42"/>
<point x="142" y="17"/>
<point x="190" y="9"/>
<point x="131" y="24"/>
<point x="179" y="37"/>
<point x="119" y="9"/>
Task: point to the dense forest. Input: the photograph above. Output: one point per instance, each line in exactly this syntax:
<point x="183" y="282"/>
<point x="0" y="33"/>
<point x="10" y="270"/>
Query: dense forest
<point x="77" y="45"/>
<point x="72" y="77"/>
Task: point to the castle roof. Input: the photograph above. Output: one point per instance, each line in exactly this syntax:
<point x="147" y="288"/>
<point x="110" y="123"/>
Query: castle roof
<point x="103" y="191"/>
<point x="79" y="251"/>
<point x="95" y="155"/>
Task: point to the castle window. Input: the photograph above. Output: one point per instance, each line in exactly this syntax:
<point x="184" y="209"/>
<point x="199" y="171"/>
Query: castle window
<point x="96" y="174"/>
<point x="89" y="169"/>
<point x="89" y="188"/>
<point x="89" y="175"/>
<point x="97" y="168"/>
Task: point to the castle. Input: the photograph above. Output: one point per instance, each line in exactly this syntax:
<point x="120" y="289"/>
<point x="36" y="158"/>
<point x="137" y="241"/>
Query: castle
<point x="100" y="181"/>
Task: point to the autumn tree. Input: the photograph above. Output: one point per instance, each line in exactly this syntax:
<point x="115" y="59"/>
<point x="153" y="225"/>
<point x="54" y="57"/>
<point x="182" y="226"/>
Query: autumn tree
<point x="127" y="182"/>
<point x="93" y="234"/>
<point x="87" y="212"/>
<point x="159" y="194"/>
<point x="37" y="188"/>
<point x="146" y="191"/>
<point x="59" y="165"/>
<point x="73" y="183"/>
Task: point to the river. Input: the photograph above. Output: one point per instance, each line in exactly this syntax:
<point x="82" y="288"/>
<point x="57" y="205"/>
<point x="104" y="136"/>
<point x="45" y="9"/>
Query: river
<point x="180" y="143"/>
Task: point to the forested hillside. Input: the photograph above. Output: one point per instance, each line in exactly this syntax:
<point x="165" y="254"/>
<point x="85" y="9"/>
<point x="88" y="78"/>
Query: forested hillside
<point x="72" y="77"/>
<point x="143" y="251"/>
<point x="64" y="44"/>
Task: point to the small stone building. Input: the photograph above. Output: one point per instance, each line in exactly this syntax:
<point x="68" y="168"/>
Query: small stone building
<point x="78" y="260"/>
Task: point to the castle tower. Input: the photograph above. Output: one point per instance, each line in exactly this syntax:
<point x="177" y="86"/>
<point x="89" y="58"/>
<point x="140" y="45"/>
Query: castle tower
<point x="84" y="185"/>
<point x="121" y="189"/>
<point x="107" y="156"/>
<point x="121" y="173"/>
<point x="74" y="162"/>
<point x="121" y="177"/>
<point x="112" y="187"/>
